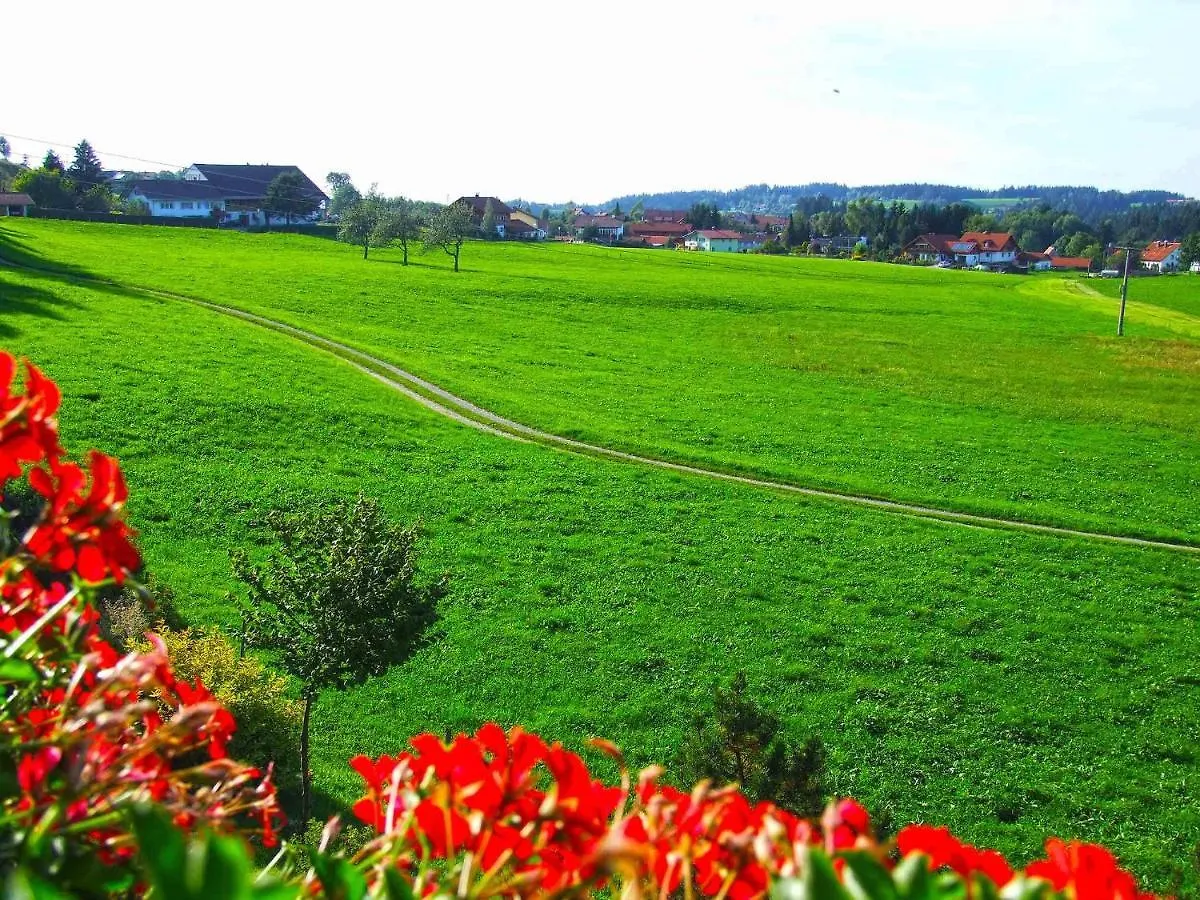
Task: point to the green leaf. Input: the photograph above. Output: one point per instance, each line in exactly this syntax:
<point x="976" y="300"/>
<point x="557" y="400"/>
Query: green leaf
<point x="161" y="850"/>
<point x="218" y="867"/>
<point x="1021" y="888"/>
<point x="866" y="878"/>
<point x="339" y="879"/>
<point x="396" y="886"/>
<point x="22" y="885"/>
<point x="16" y="669"/>
<point x="912" y="877"/>
<point x="819" y="881"/>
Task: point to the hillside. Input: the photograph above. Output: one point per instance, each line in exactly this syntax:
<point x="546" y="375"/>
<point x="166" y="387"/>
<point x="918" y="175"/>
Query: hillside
<point x="1086" y="202"/>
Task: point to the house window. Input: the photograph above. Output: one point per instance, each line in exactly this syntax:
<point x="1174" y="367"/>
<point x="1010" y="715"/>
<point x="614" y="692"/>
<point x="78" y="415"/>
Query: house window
<point x="186" y="204"/>
<point x="165" y="205"/>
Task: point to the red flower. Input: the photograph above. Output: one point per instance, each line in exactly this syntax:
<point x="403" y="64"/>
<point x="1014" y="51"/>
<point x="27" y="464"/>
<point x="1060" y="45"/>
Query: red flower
<point x="1088" y="870"/>
<point x="947" y="851"/>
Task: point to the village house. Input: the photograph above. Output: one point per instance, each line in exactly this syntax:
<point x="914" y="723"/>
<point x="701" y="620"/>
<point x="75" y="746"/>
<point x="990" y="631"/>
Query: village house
<point x="660" y="234"/>
<point x="1195" y="267"/>
<point x="606" y="228"/>
<point x="478" y="207"/>
<point x="713" y="240"/>
<point x="1034" y="261"/>
<point x="840" y="243"/>
<point x="654" y="216"/>
<point x="15" y="204"/>
<point x="234" y="194"/>
<point x="1162" y="256"/>
<point x="931" y="248"/>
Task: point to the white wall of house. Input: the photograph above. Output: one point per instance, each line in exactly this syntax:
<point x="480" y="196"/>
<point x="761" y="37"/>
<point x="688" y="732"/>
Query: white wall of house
<point x="1169" y="264"/>
<point x="178" y="209"/>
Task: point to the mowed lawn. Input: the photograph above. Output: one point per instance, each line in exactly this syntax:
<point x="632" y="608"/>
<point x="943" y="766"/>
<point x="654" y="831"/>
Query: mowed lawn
<point x="1009" y="685"/>
<point x="1005" y="396"/>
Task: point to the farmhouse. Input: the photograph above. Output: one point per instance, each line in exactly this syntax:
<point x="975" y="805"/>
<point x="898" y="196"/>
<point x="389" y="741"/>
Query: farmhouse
<point x="931" y="248"/>
<point x="1195" y="267"/>
<point x="235" y="194"/>
<point x="606" y="228"/>
<point x="994" y="249"/>
<point x="658" y="234"/>
<point x="664" y="215"/>
<point x="1162" y="256"/>
<point x="713" y="240"/>
<point x="15" y="204"/>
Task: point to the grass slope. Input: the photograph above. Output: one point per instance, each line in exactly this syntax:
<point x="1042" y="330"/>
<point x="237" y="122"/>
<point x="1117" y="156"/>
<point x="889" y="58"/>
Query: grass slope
<point x="1009" y="685"/>
<point x="997" y="395"/>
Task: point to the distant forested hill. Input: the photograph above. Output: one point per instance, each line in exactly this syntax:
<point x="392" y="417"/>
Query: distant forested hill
<point x="1088" y="203"/>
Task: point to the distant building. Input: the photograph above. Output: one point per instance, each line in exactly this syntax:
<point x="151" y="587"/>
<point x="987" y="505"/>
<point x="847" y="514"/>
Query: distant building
<point x="931" y="248"/>
<point x="1034" y="261"/>
<point x="237" y="194"/>
<point x="657" y="234"/>
<point x="664" y="215"/>
<point x="15" y="204"/>
<point x="1195" y="267"/>
<point x="1070" y="264"/>
<point x="713" y="240"/>
<point x="607" y="228"/>
<point x="1162" y="256"/>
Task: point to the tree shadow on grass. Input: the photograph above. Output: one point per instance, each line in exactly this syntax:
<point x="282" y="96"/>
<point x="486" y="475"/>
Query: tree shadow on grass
<point x="21" y="251"/>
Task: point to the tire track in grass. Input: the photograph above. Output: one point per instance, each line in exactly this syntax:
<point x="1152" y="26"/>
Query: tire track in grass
<point x="458" y="409"/>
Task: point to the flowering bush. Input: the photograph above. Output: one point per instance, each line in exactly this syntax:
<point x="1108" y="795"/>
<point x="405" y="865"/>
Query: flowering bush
<point x="87" y="732"/>
<point x="114" y="775"/>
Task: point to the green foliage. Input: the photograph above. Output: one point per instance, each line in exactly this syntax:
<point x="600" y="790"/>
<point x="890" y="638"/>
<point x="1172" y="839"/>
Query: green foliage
<point x="51" y="162"/>
<point x="288" y="196"/>
<point x="360" y="222"/>
<point x="704" y="215"/>
<point x="447" y="230"/>
<point x="5" y="148"/>
<point x="740" y="742"/>
<point x="1190" y="251"/>
<point x="87" y="174"/>
<point x="268" y="719"/>
<point x="49" y="187"/>
<point x="343" y="195"/>
<point x="338" y="597"/>
<point x="202" y="867"/>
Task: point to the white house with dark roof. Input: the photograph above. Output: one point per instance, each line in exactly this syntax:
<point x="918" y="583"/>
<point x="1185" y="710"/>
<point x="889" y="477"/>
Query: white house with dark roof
<point x="237" y="194"/>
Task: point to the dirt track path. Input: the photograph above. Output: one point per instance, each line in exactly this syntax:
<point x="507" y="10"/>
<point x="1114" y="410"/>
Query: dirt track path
<point x="463" y="411"/>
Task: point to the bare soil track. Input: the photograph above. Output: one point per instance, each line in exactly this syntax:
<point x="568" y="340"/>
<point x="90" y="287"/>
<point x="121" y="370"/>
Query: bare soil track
<point x="467" y="413"/>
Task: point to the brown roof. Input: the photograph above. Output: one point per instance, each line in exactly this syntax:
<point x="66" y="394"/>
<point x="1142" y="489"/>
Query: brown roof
<point x="1070" y="262"/>
<point x="597" y="222"/>
<point x="643" y="228"/>
<point x="478" y="205"/>
<point x="940" y="242"/>
<point x="16" y="200"/>
<point x="665" y="215"/>
<point x="1159" y="250"/>
<point x="714" y="234"/>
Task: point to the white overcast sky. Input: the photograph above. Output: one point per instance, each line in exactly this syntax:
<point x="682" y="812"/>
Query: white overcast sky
<point x="551" y="101"/>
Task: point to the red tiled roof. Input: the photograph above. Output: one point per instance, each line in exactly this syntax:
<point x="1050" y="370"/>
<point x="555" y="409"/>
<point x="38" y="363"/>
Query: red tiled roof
<point x="664" y="215"/>
<point x="1070" y="262"/>
<point x="1159" y="250"/>
<point x="656" y="240"/>
<point x="989" y="240"/>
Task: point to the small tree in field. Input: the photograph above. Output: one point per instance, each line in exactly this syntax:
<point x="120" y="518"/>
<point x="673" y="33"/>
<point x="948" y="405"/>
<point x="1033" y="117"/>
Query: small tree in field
<point x="360" y="222"/>
<point x="288" y="196"/>
<point x="401" y="224"/>
<point x="743" y="743"/>
<point x="448" y="229"/>
<point x="337" y="601"/>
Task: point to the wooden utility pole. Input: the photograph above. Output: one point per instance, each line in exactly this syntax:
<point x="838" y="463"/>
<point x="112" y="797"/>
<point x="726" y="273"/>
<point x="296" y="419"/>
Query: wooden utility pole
<point x="1124" y="291"/>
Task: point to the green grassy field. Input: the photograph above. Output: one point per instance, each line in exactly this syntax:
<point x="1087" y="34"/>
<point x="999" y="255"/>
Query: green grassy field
<point x="1004" y="396"/>
<point x="1008" y="685"/>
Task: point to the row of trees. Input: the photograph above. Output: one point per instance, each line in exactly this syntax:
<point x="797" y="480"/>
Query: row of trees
<point x="373" y="220"/>
<point x="82" y="185"/>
